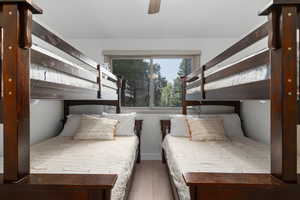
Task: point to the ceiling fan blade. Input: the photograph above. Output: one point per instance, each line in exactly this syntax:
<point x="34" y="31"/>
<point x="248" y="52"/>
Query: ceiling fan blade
<point x="154" y="6"/>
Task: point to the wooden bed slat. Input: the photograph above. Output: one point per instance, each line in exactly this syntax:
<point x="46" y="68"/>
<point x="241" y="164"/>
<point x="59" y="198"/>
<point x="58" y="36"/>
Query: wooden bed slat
<point x="44" y="34"/>
<point x="50" y="62"/>
<point x="60" y="187"/>
<point x="48" y="90"/>
<point x="256" y="90"/>
<point x="109" y="84"/>
<point x="195" y="96"/>
<point x="254" y="61"/>
<point x="80" y="181"/>
<point x="196" y="83"/>
<point x="225" y="179"/>
<point x="92" y="102"/>
<point x="212" y="103"/>
<point x="240" y="186"/>
<point x="110" y="76"/>
<point x="194" y="75"/>
<point x="253" y="37"/>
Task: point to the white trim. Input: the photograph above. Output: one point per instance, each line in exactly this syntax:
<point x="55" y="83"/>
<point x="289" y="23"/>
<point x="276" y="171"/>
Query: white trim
<point x="151" y="156"/>
<point x="151" y="53"/>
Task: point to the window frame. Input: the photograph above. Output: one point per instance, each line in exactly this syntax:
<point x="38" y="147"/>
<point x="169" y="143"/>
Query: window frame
<point x="195" y="56"/>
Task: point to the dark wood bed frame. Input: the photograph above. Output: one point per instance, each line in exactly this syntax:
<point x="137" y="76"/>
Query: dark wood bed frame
<point x="281" y="89"/>
<point x="16" y="55"/>
<point x="16" y="29"/>
<point x="166" y="128"/>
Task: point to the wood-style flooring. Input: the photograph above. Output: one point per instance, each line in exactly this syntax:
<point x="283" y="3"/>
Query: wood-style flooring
<point x="151" y="182"/>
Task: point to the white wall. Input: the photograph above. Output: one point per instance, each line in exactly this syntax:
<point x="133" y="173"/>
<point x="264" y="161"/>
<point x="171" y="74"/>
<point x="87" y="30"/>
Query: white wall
<point x="151" y="134"/>
<point x="209" y="46"/>
<point x="45" y="121"/>
<point x="256" y="118"/>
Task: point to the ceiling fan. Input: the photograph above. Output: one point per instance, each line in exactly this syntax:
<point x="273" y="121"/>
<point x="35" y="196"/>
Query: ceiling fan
<point x="154" y="6"/>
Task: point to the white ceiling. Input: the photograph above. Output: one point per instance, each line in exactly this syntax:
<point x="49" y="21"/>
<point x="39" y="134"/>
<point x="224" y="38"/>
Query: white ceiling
<point x="129" y="18"/>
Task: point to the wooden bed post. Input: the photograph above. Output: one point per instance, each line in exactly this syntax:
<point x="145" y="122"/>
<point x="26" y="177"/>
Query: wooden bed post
<point x="183" y="95"/>
<point x="123" y="92"/>
<point x="283" y="92"/>
<point x="66" y="110"/>
<point x="119" y="91"/>
<point x="15" y="23"/>
<point x="99" y="80"/>
<point x="202" y="82"/>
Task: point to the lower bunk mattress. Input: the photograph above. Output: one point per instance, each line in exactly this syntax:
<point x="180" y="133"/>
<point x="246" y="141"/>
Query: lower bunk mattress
<point x="63" y="155"/>
<point x="237" y="155"/>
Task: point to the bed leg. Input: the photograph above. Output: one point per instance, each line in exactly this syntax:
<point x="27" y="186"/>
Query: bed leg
<point x="100" y="194"/>
<point x="193" y="192"/>
<point x="138" y="160"/>
<point x="107" y="195"/>
<point x="163" y="157"/>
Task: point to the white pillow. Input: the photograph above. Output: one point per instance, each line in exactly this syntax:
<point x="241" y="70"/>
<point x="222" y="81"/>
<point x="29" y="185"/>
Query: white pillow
<point x="232" y="123"/>
<point x="94" y="128"/>
<point x="209" y="129"/>
<point x="179" y="126"/>
<point x="72" y="124"/>
<point x="126" y="125"/>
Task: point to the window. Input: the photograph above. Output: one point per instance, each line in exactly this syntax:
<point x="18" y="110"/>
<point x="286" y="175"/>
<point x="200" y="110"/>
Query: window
<point x="153" y="82"/>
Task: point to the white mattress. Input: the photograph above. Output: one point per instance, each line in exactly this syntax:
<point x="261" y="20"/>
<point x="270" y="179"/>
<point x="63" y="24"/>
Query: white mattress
<point x="43" y="73"/>
<point x="239" y="155"/>
<point x="258" y="74"/>
<point x="63" y="155"/>
<point x="48" y="74"/>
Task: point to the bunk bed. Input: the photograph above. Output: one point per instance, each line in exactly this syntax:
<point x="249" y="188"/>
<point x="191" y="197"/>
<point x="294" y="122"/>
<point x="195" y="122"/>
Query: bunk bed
<point x="269" y="74"/>
<point x="31" y="71"/>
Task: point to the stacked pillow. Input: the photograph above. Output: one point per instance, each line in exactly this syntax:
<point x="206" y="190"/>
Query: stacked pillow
<point x="230" y="123"/>
<point x="179" y="126"/>
<point x="103" y="127"/>
<point x="96" y="128"/>
<point x="126" y="125"/>
<point x="209" y="129"/>
<point x="71" y="126"/>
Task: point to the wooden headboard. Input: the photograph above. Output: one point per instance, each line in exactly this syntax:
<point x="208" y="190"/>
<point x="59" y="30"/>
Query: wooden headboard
<point x="70" y="103"/>
<point x="117" y="103"/>
<point x="190" y="102"/>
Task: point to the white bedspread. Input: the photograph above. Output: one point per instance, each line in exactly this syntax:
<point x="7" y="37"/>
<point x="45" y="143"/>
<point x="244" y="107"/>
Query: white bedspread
<point x="63" y="155"/>
<point x="239" y="155"/>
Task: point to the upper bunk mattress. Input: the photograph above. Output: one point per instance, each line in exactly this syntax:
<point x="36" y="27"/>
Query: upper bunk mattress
<point x="238" y="155"/>
<point x="44" y="73"/>
<point x="259" y="73"/>
<point x="63" y="155"/>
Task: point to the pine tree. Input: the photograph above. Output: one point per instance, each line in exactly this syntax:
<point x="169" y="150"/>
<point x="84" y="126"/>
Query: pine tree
<point x="185" y="67"/>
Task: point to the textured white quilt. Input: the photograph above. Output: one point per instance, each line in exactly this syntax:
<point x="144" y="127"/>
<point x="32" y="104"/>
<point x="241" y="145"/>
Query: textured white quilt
<point x="239" y="155"/>
<point x="63" y="155"/>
